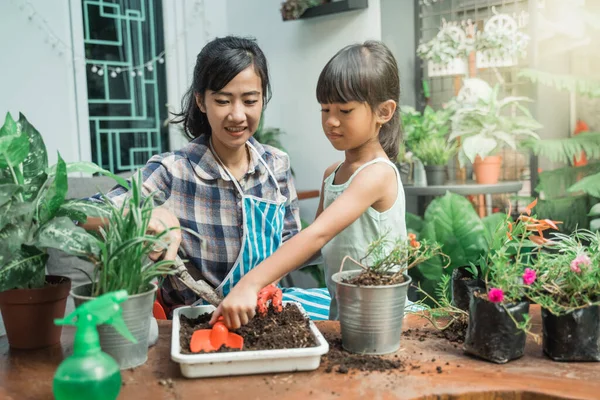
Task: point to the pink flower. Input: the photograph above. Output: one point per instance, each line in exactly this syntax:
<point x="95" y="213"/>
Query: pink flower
<point x="580" y="260"/>
<point x="496" y="295"/>
<point x="529" y="276"/>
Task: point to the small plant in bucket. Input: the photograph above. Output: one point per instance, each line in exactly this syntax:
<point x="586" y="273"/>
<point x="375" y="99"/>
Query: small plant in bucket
<point x="498" y="318"/>
<point x="371" y="297"/>
<point x="121" y="262"/>
<point x="567" y="287"/>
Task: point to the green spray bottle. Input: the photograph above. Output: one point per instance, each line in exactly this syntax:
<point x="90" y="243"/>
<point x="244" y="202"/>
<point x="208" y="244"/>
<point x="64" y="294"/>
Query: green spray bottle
<point x="90" y="373"/>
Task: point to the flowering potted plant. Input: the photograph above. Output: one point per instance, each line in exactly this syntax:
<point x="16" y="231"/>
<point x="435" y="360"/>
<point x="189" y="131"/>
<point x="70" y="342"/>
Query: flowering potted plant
<point x="567" y="289"/>
<point x="370" y="298"/>
<point x="498" y="317"/>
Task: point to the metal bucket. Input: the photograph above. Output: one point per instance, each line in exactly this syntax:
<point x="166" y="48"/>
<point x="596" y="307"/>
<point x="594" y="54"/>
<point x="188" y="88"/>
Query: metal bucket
<point x="137" y="312"/>
<point x="370" y="316"/>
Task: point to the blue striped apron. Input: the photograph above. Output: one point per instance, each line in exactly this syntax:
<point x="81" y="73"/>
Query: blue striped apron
<point x="263" y="221"/>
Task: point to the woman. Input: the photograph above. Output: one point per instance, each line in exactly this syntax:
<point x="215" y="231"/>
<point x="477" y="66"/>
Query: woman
<point x="236" y="193"/>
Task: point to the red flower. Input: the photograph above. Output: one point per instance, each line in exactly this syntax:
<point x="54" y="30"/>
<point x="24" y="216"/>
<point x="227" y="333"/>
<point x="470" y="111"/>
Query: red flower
<point x="529" y="276"/>
<point x="496" y="295"/>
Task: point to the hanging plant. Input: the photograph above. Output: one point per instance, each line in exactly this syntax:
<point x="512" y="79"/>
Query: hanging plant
<point x="501" y="39"/>
<point x="449" y="44"/>
<point x="293" y="9"/>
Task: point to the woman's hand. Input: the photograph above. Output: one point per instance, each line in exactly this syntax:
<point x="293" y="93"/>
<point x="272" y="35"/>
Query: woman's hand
<point x="160" y="221"/>
<point x="238" y="307"/>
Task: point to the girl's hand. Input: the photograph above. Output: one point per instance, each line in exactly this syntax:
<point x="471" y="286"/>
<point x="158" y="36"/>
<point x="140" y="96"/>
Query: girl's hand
<point x="160" y="221"/>
<point x="238" y="307"/>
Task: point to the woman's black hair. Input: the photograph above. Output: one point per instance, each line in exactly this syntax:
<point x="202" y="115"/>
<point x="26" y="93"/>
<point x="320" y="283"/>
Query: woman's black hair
<point x="367" y="73"/>
<point x="216" y="65"/>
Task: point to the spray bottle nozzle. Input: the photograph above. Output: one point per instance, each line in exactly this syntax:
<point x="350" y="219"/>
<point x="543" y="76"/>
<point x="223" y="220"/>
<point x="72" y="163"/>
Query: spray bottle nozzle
<point x="103" y="309"/>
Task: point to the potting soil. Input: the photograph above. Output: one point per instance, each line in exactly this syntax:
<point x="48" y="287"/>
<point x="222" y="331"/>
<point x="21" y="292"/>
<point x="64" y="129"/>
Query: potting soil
<point x="286" y="330"/>
<point x="370" y="278"/>
<point x="341" y="361"/>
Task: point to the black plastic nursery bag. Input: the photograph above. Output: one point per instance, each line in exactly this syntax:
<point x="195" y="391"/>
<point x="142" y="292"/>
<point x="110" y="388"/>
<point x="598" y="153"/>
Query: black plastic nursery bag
<point x="492" y="335"/>
<point x="574" y="336"/>
<point x="463" y="285"/>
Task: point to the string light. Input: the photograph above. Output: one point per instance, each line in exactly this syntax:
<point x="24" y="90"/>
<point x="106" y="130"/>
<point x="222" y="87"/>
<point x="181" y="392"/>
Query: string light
<point x="100" y="69"/>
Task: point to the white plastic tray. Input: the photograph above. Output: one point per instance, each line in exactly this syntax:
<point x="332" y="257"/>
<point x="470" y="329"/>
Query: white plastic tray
<point x="243" y="362"/>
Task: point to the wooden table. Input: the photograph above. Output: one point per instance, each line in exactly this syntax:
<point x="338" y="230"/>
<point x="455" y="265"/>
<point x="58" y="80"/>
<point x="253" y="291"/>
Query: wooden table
<point x="28" y="375"/>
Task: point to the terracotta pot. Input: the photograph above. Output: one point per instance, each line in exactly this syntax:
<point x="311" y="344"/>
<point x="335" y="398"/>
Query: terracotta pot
<point x="487" y="171"/>
<point x="29" y="313"/>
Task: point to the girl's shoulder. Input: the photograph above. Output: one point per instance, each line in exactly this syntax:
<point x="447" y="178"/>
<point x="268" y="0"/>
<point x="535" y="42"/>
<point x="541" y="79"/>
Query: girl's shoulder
<point x="379" y="170"/>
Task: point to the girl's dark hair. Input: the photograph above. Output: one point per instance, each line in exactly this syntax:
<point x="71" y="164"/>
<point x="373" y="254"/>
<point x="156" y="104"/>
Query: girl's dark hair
<point x="367" y="73"/>
<point x="216" y="65"/>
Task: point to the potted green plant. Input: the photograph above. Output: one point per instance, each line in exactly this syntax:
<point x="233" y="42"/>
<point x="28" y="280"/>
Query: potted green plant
<point x="434" y="153"/>
<point x="371" y="297"/>
<point x="34" y="216"/>
<point x="567" y="287"/>
<point x="121" y="262"/>
<point x="498" y="316"/>
<point x="484" y="128"/>
<point x="418" y="127"/>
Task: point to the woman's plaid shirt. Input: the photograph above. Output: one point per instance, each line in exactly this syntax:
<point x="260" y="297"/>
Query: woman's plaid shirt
<point x="193" y="185"/>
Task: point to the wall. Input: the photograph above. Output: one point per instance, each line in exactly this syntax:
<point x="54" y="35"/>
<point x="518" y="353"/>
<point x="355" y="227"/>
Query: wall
<point x="297" y="51"/>
<point x="398" y="33"/>
<point x="34" y="79"/>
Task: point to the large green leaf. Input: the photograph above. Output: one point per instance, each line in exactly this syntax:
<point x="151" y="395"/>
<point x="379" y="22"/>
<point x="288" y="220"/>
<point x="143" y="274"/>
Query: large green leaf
<point x="492" y="223"/>
<point x="36" y="162"/>
<point x="90" y="168"/>
<point x="25" y="270"/>
<point x="589" y="185"/>
<point x="14" y="145"/>
<point x="427" y="275"/>
<point x="451" y="221"/>
<point x="61" y="233"/>
<point x="89" y="208"/>
<point x="7" y="191"/>
<point x="54" y="198"/>
<point x="414" y="223"/>
<point x="478" y="145"/>
<point x="11" y="238"/>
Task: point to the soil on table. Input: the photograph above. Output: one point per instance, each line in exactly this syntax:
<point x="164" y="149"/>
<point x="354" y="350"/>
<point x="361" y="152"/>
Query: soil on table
<point x="341" y="361"/>
<point x="289" y="329"/>
<point x="370" y="278"/>
<point x="455" y="333"/>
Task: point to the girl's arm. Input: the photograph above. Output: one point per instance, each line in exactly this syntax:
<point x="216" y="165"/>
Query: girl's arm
<point x="367" y="188"/>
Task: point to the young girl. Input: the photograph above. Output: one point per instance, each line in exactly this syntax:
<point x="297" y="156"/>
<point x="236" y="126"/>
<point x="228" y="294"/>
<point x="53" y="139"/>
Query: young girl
<point x="361" y="197"/>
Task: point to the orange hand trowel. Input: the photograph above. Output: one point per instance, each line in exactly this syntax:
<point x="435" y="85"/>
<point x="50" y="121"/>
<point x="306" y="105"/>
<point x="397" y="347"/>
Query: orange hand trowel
<point x="208" y="340"/>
